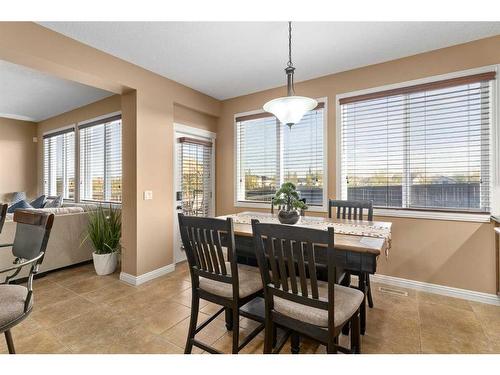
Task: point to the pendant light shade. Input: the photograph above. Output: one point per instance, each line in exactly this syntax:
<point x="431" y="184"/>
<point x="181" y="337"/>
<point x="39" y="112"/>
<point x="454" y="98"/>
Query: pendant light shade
<point x="291" y="108"/>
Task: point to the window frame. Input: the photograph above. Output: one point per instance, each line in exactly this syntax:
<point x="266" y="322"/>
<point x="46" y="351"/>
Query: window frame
<point x="429" y="213"/>
<point x="54" y="133"/>
<point x="249" y="204"/>
<point x="75" y="128"/>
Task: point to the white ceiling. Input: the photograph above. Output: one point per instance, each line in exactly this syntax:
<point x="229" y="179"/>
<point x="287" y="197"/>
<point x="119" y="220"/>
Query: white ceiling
<point x="29" y="95"/>
<point x="228" y="59"/>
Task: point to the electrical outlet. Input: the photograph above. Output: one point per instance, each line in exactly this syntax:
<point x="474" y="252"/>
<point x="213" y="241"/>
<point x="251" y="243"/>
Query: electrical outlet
<point x="148" y="195"/>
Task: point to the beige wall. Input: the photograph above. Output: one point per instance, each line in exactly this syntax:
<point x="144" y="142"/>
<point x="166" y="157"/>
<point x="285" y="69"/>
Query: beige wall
<point x="190" y="117"/>
<point x="18" y="160"/>
<point x="87" y="112"/>
<point x="147" y="113"/>
<point x="457" y="254"/>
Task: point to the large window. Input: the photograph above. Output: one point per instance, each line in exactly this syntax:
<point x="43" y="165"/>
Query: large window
<point x="101" y="160"/>
<point x="269" y="153"/>
<point x="59" y="164"/>
<point x="421" y="147"/>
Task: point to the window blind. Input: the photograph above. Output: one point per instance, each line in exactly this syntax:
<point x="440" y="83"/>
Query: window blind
<point x="195" y="174"/>
<point x="269" y="153"/>
<point x="101" y="160"/>
<point x="59" y="164"/>
<point x="419" y="149"/>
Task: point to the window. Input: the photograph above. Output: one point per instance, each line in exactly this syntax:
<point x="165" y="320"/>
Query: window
<point x="101" y="160"/>
<point x="59" y="164"/>
<point x="269" y="153"/>
<point x="421" y="147"/>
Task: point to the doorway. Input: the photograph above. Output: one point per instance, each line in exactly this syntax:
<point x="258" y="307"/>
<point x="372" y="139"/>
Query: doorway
<point x="194" y="177"/>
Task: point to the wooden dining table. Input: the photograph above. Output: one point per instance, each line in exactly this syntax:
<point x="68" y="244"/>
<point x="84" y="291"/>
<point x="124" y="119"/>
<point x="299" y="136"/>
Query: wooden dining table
<point x="360" y="242"/>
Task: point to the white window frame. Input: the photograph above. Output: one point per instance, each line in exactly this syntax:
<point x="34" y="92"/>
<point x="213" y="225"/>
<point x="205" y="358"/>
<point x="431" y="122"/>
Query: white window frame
<point x="75" y="127"/>
<point x="494" y="147"/>
<point x="248" y="204"/>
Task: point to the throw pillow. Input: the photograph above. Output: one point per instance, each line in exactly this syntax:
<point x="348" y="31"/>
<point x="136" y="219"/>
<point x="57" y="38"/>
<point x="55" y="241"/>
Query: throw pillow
<point x="38" y="202"/>
<point x="17" y="205"/>
<point x="54" y="203"/>
<point x="18" y="196"/>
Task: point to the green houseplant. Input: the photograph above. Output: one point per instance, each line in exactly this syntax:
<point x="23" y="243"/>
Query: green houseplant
<point x="104" y="231"/>
<point x="288" y="199"/>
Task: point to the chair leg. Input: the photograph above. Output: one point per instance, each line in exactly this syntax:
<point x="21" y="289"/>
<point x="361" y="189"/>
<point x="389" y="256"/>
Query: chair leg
<point x="362" y="312"/>
<point x="195" y="305"/>
<point x="355" y="334"/>
<point x="236" y="329"/>
<point x="295" y="341"/>
<point x="269" y="333"/>
<point x="369" y="292"/>
<point x="331" y="348"/>
<point x="10" y="342"/>
<point x="229" y="319"/>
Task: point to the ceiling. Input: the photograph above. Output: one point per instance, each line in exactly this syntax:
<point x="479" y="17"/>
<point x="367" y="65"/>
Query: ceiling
<point x="228" y="59"/>
<point x="29" y="95"/>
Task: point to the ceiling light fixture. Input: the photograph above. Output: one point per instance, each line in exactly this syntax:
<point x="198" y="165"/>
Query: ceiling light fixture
<point x="291" y="108"/>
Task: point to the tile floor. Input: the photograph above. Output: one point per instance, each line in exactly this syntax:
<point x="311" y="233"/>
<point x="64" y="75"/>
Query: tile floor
<point x="78" y="312"/>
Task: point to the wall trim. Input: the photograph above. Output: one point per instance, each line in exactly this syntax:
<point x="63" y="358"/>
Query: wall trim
<point x="469" y="295"/>
<point x="141" y="279"/>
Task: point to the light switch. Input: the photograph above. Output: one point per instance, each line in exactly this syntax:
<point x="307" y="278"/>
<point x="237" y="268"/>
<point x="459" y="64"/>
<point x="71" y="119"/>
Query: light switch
<point x="35" y="139"/>
<point x="148" y="195"/>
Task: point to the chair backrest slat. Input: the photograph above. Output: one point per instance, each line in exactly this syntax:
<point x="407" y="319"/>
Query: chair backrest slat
<point x="299" y="251"/>
<point x="213" y="253"/>
<point x="278" y="250"/>
<point x="220" y="253"/>
<point x="291" y="265"/>
<point x="271" y="257"/>
<point x="351" y="210"/>
<point x="312" y="270"/>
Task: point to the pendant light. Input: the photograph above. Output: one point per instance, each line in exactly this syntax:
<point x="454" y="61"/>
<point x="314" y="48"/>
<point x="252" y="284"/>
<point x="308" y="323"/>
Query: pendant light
<point x="291" y="108"/>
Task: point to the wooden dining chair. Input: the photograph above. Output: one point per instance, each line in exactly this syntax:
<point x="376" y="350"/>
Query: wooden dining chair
<point x="3" y="215"/>
<point x="30" y="242"/>
<point x="294" y="298"/>
<point x="216" y="277"/>
<point x="354" y="210"/>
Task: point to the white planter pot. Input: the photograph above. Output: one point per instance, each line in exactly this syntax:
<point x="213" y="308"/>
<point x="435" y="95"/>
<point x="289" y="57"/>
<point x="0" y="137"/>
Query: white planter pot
<point x="104" y="264"/>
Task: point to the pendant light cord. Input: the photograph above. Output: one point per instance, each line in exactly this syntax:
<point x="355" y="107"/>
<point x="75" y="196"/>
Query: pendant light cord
<point x="289" y="44"/>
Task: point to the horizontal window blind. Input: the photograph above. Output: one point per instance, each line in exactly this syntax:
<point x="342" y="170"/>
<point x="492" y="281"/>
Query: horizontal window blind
<point x="195" y="161"/>
<point x="101" y="160"/>
<point x="59" y="164"/>
<point x="270" y="153"/>
<point x="425" y="149"/>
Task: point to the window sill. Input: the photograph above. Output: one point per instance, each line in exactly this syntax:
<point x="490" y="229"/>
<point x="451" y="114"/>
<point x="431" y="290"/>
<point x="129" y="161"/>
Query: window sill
<point x="433" y="215"/>
<point x="268" y="206"/>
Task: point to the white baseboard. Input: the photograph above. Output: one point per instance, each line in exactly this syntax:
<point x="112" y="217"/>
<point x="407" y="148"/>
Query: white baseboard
<point x="448" y="291"/>
<point x="141" y="279"/>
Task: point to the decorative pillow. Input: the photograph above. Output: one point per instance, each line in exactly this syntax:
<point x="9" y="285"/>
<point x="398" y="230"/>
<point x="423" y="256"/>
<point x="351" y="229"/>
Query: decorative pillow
<point x="56" y="202"/>
<point x="38" y="202"/>
<point x="19" y="204"/>
<point x="18" y="196"/>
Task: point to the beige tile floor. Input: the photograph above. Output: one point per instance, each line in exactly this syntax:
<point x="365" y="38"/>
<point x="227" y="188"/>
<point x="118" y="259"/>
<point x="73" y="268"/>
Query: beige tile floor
<point x="78" y="312"/>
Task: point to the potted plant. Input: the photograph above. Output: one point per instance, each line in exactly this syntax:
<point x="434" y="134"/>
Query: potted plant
<point x="288" y="199"/>
<point x="104" y="231"/>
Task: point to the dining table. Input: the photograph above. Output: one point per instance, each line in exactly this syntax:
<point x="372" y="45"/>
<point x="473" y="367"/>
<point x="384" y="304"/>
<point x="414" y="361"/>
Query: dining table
<point x="360" y="242"/>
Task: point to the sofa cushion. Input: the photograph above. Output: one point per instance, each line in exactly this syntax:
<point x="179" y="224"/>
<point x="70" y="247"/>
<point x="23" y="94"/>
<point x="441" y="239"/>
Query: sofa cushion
<point x="19" y="204"/>
<point x="63" y="210"/>
<point x="12" y="298"/>
<point x="38" y="202"/>
<point x="56" y="202"/>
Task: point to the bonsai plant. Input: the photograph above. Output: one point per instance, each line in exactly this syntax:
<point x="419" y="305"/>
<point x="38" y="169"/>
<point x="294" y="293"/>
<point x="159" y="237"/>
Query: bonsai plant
<point x="104" y="231"/>
<point x="288" y="199"/>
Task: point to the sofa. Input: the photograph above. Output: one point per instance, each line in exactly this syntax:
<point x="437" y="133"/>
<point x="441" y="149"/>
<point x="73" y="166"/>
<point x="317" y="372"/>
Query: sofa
<point x="65" y="246"/>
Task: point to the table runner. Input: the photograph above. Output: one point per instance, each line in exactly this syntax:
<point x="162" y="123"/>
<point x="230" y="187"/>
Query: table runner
<point x="364" y="229"/>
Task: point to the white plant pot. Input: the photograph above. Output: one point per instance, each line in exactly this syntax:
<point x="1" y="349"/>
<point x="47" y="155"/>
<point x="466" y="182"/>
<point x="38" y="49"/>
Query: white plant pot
<point x="105" y="264"/>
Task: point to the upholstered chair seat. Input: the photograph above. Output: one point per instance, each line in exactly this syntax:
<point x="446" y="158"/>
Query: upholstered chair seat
<point x="12" y="299"/>
<point x="347" y="301"/>
<point x="250" y="282"/>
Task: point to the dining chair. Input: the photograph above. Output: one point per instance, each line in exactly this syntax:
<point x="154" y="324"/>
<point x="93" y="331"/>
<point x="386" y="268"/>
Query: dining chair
<point x="353" y="210"/>
<point x="216" y="277"/>
<point x="30" y="242"/>
<point x="3" y="215"/>
<point x="294" y="298"/>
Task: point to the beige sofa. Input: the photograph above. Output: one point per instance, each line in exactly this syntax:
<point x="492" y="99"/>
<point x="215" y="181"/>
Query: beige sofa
<point x="64" y="247"/>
